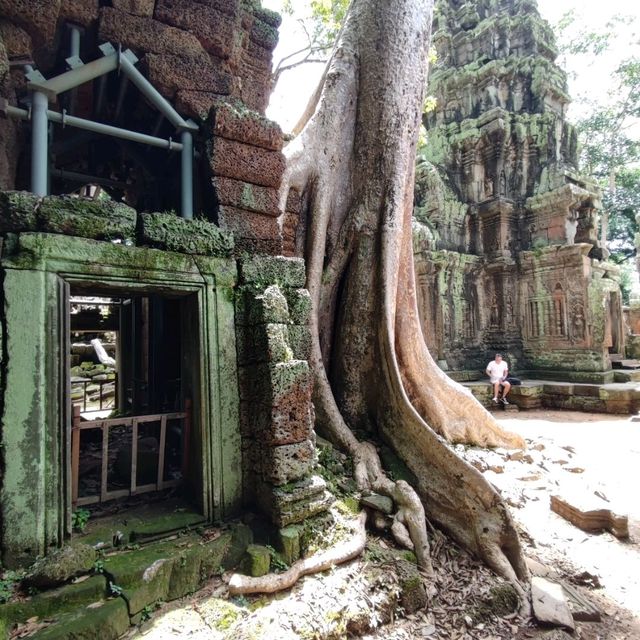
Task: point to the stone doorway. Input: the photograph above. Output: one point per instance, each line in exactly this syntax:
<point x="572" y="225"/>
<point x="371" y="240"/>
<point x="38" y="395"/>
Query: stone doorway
<point x="130" y="391"/>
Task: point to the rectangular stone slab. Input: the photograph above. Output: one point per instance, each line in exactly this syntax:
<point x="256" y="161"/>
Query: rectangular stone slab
<point x="590" y="513"/>
<point x="549" y="603"/>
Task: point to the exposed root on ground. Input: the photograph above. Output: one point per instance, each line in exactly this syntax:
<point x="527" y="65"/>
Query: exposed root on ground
<point x="273" y="582"/>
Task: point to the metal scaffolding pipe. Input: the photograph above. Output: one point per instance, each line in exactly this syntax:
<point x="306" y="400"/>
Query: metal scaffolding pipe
<point x="74" y="52"/>
<point x="39" y="144"/>
<point x="77" y="76"/>
<point x="98" y="127"/>
<point x="186" y="166"/>
<point x="151" y="93"/>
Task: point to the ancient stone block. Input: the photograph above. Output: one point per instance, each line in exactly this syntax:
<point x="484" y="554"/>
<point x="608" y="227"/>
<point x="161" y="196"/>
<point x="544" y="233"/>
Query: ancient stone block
<point x="413" y="595"/>
<point x="18" y="211"/>
<point x="294" y="201"/>
<point x="215" y="30"/>
<point x="300" y="341"/>
<point x="269" y="307"/>
<point x="146" y="35"/>
<point x="272" y="18"/>
<point x="299" y="302"/>
<point x="87" y="218"/>
<point x="289" y="462"/>
<point x="168" y="231"/>
<point x="193" y="104"/>
<point x="250" y="197"/>
<point x="590" y="513"/>
<point x="266" y="270"/>
<point x="264" y="34"/>
<point x="135" y="7"/>
<point x="16" y="40"/>
<point x="257" y="561"/>
<point x="80" y="12"/>
<point x="232" y="120"/>
<point x="248" y="163"/>
<point x="60" y="566"/>
<point x="378" y="502"/>
<point x="37" y="17"/>
<point x="249" y="225"/>
<point x="172" y="73"/>
<point x="230" y="7"/>
<point x="289" y="543"/>
<point x="277" y="337"/>
<point x="549" y="603"/>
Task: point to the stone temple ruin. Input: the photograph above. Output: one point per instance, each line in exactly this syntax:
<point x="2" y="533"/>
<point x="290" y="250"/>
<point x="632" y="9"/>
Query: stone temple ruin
<point x="507" y="249"/>
<point x="117" y="115"/>
<point x="154" y="317"/>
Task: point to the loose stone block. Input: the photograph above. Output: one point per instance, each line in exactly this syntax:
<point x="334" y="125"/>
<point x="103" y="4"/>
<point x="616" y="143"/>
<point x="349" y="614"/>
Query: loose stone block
<point x="233" y="121"/>
<point x="60" y="566"/>
<point x="257" y="561"/>
<point x="170" y="73"/>
<point x="378" y="502"/>
<point x="289" y="539"/>
<point x="250" y="197"/>
<point x="215" y="30"/>
<point x="170" y="232"/>
<point x="145" y="34"/>
<point x="18" y="211"/>
<point x="549" y="603"/>
<point x="590" y="513"/>
<point x="87" y="218"/>
<point x="248" y="163"/>
<point x="413" y="595"/>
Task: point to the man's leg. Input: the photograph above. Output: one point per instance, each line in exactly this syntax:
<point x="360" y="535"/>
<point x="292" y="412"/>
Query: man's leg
<point x="496" y="391"/>
<point x="506" y="387"/>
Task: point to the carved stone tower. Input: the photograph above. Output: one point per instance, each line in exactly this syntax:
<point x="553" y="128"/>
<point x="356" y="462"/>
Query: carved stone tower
<point x="506" y="232"/>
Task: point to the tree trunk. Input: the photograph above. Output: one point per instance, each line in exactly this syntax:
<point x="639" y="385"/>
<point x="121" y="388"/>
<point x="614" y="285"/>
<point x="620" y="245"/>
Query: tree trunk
<point x="354" y="162"/>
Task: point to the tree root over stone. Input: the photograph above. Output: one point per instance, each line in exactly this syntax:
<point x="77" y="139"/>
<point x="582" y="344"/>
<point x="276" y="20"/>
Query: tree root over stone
<point x="273" y="582"/>
<point x="353" y="163"/>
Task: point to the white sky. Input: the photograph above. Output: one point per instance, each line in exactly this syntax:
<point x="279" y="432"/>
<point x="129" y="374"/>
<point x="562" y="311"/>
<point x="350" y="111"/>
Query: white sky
<point x="592" y="76"/>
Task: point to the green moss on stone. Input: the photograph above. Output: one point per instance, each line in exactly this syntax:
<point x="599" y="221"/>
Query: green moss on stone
<point x="168" y="231"/>
<point x="18" y="211"/>
<point x="257" y="561"/>
<point x="60" y="566"/>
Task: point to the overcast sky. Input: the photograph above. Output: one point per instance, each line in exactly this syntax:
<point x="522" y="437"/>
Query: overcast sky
<point x="591" y="75"/>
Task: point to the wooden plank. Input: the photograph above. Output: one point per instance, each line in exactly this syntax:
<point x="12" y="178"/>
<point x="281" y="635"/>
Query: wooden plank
<point x="114" y="495"/>
<point x="161" y="450"/>
<point x="87" y="500"/>
<point x="186" y="438"/>
<point x="105" y="462"/>
<point x="134" y="455"/>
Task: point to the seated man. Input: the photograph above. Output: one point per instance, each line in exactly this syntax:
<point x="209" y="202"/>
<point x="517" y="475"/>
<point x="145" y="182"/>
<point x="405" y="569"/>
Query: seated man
<point x="498" y="370"/>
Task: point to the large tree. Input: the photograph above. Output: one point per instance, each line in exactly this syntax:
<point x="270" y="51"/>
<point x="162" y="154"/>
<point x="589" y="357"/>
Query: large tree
<point x="353" y="161"/>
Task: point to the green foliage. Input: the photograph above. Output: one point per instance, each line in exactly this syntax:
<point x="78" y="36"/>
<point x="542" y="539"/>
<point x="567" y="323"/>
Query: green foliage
<point x="79" y="519"/>
<point x="8" y="582"/>
<point x="98" y="566"/>
<point x="115" y="589"/>
<point x="277" y="562"/>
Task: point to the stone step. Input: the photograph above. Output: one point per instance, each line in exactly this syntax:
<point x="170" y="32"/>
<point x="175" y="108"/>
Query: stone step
<point x="626" y="375"/>
<point x="590" y="513"/>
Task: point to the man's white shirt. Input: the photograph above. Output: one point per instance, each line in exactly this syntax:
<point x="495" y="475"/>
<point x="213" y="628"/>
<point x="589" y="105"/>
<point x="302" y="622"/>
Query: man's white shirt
<point x="497" y="370"/>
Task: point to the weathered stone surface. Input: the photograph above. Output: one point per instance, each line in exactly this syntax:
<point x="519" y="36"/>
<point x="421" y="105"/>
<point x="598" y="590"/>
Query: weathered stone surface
<point x="80" y="12"/>
<point x="300" y="341"/>
<point x="16" y="40"/>
<point x="170" y="232"/>
<point x="193" y="104"/>
<point x="269" y="307"/>
<point x="37" y="17"/>
<point x="413" y="595"/>
<point x="267" y="15"/>
<point x="268" y="270"/>
<point x="253" y="229"/>
<point x="232" y="120"/>
<point x="18" y="211"/>
<point x="171" y="73"/>
<point x="289" y="462"/>
<point x="378" y="502"/>
<point x="276" y="343"/>
<point x="264" y="34"/>
<point x="246" y="196"/>
<point x="60" y="566"/>
<point x="55" y="601"/>
<point x="109" y="618"/>
<point x="289" y="539"/>
<point x="135" y="7"/>
<point x="549" y="603"/>
<point x="299" y="306"/>
<point x="590" y="513"/>
<point x="87" y="218"/>
<point x="257" y="561"/>
<point x="146" y="35"/>
<point x="247" y="163"/>
<point x="215" y="30"/>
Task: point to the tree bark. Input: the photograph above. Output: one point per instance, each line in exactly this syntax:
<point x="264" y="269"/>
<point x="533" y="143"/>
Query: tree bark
<point x="354" y="161"/>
